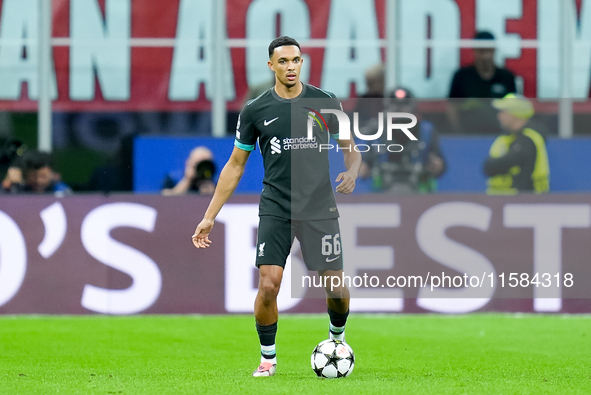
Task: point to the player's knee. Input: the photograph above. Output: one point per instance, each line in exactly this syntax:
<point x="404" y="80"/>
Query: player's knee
<point x="334" y="294"/>
<point x="339" y="293"/>
<point x="269" y="287"/>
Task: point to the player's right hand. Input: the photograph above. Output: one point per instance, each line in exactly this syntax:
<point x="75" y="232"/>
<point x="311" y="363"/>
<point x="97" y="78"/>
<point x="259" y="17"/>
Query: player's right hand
<point x="200" y="237"/>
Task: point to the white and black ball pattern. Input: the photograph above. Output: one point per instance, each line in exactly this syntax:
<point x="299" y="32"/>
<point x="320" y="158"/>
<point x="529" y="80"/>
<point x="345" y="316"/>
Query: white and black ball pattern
<point x="333" y="359"/>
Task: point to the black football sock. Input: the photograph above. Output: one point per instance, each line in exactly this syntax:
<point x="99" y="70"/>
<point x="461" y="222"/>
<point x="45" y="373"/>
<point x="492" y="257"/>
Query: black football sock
<point x="337" y="324"/>
<point x="267" y="338"/>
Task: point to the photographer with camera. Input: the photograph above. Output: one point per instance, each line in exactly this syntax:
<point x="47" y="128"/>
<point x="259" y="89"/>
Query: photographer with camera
<point x="13" y="181"/>
<point x="40" y="175"/>
<point x="415" y="168"/>
<point x="197" y="178"/>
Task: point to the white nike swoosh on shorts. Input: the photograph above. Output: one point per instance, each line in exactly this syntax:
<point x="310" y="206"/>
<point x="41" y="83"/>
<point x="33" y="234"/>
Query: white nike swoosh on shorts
<point x="268" y="122"/>
<point x="333" y="259"/>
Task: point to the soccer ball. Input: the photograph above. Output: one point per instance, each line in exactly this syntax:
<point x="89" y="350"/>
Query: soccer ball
<point x="333" y="359"/>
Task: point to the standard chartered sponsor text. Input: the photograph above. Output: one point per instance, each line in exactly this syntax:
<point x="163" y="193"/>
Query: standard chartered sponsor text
<point x="299" y="143"/>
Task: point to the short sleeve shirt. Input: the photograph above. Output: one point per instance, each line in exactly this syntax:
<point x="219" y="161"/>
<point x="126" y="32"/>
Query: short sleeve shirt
<point x="297" y="183"/>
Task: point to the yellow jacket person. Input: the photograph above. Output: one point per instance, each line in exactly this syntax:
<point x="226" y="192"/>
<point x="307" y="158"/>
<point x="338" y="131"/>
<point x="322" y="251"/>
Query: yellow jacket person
<point x="518" y="160"/>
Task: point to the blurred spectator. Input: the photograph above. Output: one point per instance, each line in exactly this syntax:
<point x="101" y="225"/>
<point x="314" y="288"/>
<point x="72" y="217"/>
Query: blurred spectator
<point x="367" y="105"/>
<point x="40" y="175"/>
<point x="197" y="176"/>
<point x="11" y="166"/>
<point x="414" y="169"/>
<point x="481" y="80"/>
<point x="14" y="181"/>
<point x="518" y="160"/>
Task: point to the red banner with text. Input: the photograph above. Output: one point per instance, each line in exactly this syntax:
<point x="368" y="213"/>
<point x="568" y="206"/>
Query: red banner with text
<point x="135" y="55"/>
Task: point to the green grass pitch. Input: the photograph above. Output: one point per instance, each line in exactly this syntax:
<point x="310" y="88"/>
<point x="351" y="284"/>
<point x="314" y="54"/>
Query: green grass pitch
<point x="401" y="354"/>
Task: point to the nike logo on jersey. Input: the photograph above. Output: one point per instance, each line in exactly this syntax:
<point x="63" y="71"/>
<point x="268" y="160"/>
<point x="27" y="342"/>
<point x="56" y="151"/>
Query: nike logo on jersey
<point x="332" y="259"/>
<point x="271" y="121"/>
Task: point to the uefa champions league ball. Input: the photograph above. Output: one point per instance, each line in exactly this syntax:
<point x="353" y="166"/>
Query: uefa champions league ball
<point x="333" y="359"/>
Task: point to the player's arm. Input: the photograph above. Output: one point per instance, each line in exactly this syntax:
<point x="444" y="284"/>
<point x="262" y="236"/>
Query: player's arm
<point x="229" y="178"/>
<point x="352" y="163"/>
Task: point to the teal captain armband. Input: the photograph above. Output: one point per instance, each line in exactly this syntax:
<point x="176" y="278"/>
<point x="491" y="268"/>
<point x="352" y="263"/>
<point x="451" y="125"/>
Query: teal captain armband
<point x="242" y="146"/>
<point x="335" y="136"/>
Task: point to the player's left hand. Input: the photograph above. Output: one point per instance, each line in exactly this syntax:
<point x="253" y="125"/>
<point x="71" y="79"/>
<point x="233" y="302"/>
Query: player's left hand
<point x="348" y="183"/>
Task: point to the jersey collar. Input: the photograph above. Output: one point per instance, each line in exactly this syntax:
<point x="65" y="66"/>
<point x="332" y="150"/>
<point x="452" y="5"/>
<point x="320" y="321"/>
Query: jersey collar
<point x="298" y="97"/>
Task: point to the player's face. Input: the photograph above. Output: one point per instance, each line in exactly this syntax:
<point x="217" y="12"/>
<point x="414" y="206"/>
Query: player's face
<point x="286" y="63"/>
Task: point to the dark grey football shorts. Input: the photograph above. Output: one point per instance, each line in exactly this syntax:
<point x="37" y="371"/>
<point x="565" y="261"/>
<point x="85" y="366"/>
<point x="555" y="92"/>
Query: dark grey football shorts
<point x="319" y="239"/>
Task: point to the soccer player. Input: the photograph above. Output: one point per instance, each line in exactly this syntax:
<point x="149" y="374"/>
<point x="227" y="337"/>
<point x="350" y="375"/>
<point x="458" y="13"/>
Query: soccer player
<point x="297" y="199"/>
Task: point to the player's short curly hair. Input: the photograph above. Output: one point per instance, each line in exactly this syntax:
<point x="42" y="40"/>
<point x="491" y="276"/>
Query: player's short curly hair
<point x="280" y="42"/>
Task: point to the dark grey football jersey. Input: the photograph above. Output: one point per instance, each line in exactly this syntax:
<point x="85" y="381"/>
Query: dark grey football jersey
<point x="297" y="182"/>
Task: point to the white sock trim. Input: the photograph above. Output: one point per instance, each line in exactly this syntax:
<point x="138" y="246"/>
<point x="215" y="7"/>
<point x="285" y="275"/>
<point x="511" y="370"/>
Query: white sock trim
<point x="268" y="350"/>
<point x="336" y="329"/>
